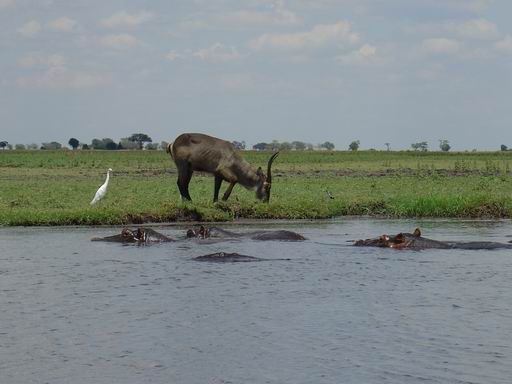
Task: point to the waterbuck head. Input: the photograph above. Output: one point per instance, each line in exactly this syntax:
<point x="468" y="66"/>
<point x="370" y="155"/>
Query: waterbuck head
<point x="263" y="190"/>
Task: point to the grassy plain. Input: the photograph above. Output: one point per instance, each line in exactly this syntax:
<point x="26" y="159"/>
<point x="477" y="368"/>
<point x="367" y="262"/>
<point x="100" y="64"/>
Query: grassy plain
<point x="55" y="187"/>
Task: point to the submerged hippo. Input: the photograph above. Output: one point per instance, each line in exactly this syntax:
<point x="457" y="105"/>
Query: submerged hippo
<point x="137" y="236"/>
<point x="214" y="232"/>
<point x="224" y="257"/>
<point x="416" y="241"/>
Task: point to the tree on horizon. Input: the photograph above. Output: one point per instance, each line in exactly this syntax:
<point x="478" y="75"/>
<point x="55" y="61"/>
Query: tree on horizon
<point x="260" y="146"/>
<point x="140" y="139"/>
<point x="328" y="145"/>
<point x="73" y="143"/>
<point x="444" y="145"/>
<point x="421" y="146"/>
<point x="354" y="146"/>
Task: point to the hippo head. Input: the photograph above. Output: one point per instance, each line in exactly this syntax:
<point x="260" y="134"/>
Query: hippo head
<point x="200" y="233"/>
<point x="401" y="240"/>
<point x="129" y="236"/>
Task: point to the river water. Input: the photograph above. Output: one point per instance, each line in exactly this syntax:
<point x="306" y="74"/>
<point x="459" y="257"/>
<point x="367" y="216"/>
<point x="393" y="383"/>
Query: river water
<point x="76" y="311"/>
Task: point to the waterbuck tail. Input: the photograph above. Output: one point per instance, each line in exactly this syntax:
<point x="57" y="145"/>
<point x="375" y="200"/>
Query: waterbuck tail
<point x="169" y="149"/>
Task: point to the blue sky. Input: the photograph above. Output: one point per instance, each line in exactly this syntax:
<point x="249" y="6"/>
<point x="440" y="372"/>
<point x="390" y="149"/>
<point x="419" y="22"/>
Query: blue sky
<point x="396" y="71"/>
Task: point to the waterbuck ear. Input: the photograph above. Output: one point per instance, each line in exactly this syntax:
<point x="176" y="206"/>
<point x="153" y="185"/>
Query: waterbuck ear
<point x="259" y="171"/>
<point x="417" y="232"/>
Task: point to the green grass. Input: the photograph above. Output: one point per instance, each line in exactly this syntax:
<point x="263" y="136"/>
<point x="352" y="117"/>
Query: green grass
<point x="55" y="187"/>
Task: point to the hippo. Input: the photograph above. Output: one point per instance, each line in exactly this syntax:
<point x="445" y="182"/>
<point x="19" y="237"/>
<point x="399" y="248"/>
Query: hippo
<point x="224" y="257"/>
<point x="204" y="232"/>
<point x="136" y="236"/>
<point x="416" y="241"/>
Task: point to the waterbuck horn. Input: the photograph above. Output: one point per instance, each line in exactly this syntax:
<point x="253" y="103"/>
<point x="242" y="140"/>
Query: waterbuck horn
<point x="269" y="172"/>
<point x="268" y="182"/>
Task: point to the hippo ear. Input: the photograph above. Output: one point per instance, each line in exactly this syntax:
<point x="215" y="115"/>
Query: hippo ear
<point x="400" y="238"/>
<point x="383" y="239"/>
<point x="417" y="232"/>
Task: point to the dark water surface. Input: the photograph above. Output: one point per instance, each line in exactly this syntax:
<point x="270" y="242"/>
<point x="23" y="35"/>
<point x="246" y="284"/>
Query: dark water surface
<point x="76" y="311"/>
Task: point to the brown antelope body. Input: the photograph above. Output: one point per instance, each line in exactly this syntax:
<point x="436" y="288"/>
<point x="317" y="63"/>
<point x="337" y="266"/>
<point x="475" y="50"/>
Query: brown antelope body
<point x="198" y="152"/>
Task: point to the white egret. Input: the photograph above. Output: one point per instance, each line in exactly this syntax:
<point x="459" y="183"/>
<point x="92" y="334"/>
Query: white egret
<point x="101" y="192"/>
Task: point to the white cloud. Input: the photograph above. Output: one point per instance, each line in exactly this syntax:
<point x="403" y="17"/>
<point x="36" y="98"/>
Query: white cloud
<point x="505" y="45"/>
<point x="124" y="19"/>
<point x="30" y="29"/>
<point x="52" y="71"/>
<point x="366" y="54"/>
<point x="218" y="52"/>
<point x="321" y="35"/>
<point x="191" y="25"/>
<point x="121" y="41"/>
<point x="28" y="61"/>
<point x="274" y="14"/>
<point x="472" y="29"/>
<point x="62" y="77"/>
<point x="173" y="56"/>
<point x="56" y="60"/>
<point x="63" y="24"/>
<point x="440" y="46"/>
<point x="473" y="6"/>
<point x="34" y="60"/>
<point x="244" y="17"/>
<point x="481" y="29"/>
<point x="477" y="5"/>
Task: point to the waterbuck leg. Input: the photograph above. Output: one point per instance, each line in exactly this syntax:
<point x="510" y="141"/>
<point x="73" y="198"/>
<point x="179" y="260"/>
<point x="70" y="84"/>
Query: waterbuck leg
<point x="184" y="176"/>
<point x="228" y="191"/>
<point x="187" y="182"/>
<point x="218" y="182"/>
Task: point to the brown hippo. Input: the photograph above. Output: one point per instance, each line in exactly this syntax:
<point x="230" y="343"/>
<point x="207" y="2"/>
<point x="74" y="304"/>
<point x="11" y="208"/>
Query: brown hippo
<point x="136" y="236"/>
<point x="416" y="241"/>
<point x="204" y="232"/>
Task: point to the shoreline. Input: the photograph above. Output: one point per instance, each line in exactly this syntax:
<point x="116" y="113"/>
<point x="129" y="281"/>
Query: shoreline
<point x="271" y="222"/>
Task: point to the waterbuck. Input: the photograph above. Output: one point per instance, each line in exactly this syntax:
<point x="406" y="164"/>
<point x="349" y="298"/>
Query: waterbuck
<point x="198" y="152"/>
